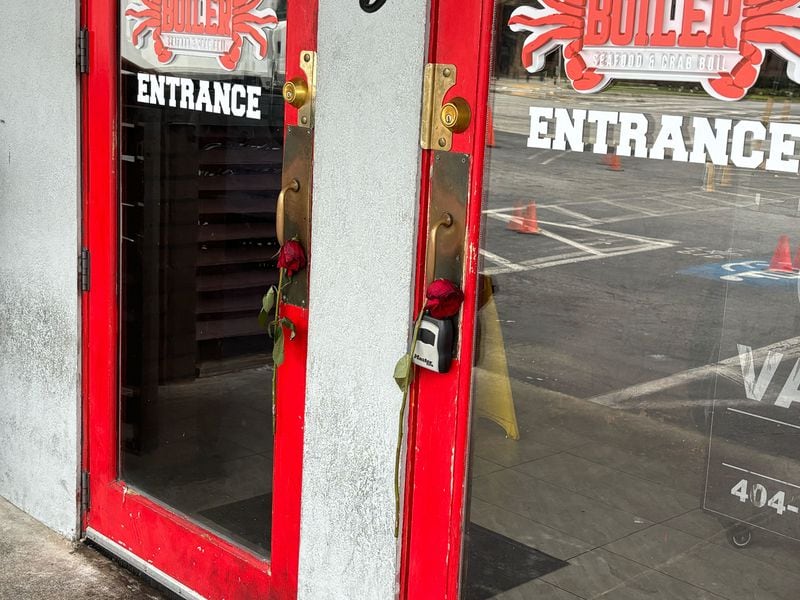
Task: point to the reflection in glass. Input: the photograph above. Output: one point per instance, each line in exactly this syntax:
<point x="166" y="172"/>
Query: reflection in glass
<point x="637" y="419"/>
<point x="201" y="160"/>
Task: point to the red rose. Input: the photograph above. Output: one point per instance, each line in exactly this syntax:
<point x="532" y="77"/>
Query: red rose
<point x="292" y="257"/>
<point x="444" y="299"/>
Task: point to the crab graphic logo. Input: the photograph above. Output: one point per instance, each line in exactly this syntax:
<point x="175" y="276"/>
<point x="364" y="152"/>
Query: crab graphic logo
<point x="718" y="43"/>
<point x="206" y="28"/>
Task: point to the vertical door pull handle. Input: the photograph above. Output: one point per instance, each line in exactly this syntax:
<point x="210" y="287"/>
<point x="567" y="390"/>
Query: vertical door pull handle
<point x="280" y="214"/>
<point x="446" y="221"/>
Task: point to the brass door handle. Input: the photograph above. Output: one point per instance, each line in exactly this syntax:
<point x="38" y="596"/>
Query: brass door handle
<point x="295" y="92"/>
<point x="280" y="214"/>
<point x="456" y="115"/>
<point x="446" y="221"/>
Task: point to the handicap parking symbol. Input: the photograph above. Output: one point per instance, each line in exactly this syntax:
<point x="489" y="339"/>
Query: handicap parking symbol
<point x="752" y="272"/>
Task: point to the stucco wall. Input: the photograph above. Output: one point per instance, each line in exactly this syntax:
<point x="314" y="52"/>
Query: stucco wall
<point x="38" y="261"/>
<point x="364" y="223"/>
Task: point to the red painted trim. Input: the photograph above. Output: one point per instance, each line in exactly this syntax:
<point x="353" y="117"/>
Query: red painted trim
<point x="437" y="463"/>
<point x="100" y="236"/>
<point x="84" y="301"/>
<point x="288" y="469"/>
<point x="291" y="388"/>
<point x="204" y="562"/>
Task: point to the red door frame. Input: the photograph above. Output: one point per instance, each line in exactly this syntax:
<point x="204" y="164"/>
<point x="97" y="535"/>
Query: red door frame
<point x="205" y="563"/>
<point x="461" y="34"/>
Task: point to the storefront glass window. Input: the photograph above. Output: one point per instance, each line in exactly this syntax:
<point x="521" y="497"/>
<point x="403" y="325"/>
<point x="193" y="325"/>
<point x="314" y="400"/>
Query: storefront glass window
<point x="201" y="138"/>
<point x="636" y="413"/>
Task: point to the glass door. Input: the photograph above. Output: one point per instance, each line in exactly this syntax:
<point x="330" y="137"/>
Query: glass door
<point x="195" y="445"/>
<point x="633" y="423"/>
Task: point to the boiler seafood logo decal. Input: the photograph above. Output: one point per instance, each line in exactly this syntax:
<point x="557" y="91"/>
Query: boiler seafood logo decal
<point x="719" y="43"/>
<point x="210" y="28"/>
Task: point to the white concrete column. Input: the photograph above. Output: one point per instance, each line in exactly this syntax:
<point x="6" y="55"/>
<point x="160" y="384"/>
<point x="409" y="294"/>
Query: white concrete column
<point x="366" y="180"/>
<point x="39" y="236"/>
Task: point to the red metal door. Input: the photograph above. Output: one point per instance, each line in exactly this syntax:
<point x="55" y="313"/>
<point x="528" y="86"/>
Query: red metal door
<point x="461" y="32"/>
<point x="201" y="558"/>
<point x="616" y="423"/>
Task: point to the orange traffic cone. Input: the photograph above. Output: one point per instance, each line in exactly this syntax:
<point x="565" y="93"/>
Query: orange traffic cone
<point x="530" y="224"/>
<point x="796" y="261"/>
<point x="515" y="224"/>
<point x="614" y="163"/>
<point x="489" y="129"/>
<point x="782" y="259"/>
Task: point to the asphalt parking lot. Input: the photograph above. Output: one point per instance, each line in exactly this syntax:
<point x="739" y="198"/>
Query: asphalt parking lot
<point x="633" y="274"/>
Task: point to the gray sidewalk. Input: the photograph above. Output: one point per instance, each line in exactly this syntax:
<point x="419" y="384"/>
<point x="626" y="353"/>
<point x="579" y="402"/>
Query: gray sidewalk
<point x="38" y="563"/>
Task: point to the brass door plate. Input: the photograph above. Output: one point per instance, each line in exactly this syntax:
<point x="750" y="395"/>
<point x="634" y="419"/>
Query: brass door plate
<point x="308" y="64"/>
<point x="297" y="155"/>
<point x="439" y="79"/>
<point x="449" y="196"/>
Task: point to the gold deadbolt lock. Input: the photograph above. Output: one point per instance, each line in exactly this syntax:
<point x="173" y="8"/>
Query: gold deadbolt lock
<point x="295" y="92"/>
<point x="456" y="115"/>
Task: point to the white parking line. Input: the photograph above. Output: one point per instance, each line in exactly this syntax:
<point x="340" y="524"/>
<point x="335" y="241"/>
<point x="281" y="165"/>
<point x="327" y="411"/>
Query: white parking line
<point x="492" y="211"/>
<point x="637" y="194"/>
<point x="536" y="154"/>
<point x="610" y="220"/>
<point x="625" y="236"/>
<point x="499" y="214"/>
<point x="714" y="198"/>
<point x="727" y="368"/>
<point x="748" y="196"/>
<point x="761" y="417"/>
<point x="590" y="221"/>
<point x="575" y="259"/>
<point x="631" y="208"/>
<point x="761" y="190"/>
<point x="504" y="265"/>
<point x="499" y="260"/>
<point x="735" y="468"/>
<point x="672" y="201"/>
<point x="574" y="244"/>
<point x="570" y="213"/>
<point x="546" y="259"/>
<point x="552" y="158"/>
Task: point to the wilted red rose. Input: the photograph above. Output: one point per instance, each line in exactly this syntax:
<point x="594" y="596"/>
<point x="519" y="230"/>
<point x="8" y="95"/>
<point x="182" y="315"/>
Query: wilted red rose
<point x="444" y="299"/>
<point x="292" y="257"/>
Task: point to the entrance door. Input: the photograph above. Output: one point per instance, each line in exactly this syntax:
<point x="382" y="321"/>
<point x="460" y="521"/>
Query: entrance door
<point x="199" y="127"/>
<point x="632" y="424"/>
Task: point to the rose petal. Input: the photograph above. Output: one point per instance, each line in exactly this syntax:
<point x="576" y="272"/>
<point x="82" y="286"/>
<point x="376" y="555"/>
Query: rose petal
<point x="292" y="257"/>
<point x="444" y="299"/>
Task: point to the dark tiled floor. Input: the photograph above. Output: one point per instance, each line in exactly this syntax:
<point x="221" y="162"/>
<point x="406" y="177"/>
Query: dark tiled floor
<point x="213" y="460"/>
<point x="618" y="496"/>
<point x="496" y="563"/>
<point x="248" y="519"/>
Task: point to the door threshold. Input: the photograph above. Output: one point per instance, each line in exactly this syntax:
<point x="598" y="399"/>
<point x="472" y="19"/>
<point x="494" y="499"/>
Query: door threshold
<point x="171" y="584"/>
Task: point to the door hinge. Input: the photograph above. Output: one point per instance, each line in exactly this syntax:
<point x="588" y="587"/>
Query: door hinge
<point x="83" y="50"/>
<point x="85" y="492"/>
<point x="84" y="266"/>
